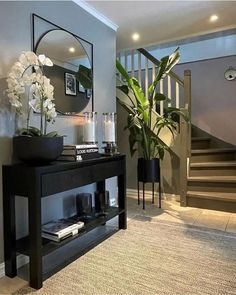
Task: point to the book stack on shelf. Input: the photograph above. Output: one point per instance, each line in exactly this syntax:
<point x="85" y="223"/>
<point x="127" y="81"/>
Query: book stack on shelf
<point x="79" y="152"/>
<point x="60" y="229"/>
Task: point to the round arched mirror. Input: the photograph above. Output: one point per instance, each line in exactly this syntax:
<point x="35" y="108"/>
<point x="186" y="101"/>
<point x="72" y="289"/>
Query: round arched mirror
<point x="71" y="74"/>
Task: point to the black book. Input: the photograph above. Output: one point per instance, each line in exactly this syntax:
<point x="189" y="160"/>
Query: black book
<point x="75" y="158"/>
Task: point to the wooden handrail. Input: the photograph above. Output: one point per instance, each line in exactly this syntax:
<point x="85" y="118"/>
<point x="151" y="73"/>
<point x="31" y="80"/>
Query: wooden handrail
<point x="157" y="63"/>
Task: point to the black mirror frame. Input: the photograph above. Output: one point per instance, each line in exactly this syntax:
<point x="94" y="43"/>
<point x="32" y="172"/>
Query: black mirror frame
<point x="35" y="45"/>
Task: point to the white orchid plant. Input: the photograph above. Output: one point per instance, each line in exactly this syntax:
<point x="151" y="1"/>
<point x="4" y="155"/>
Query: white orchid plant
<point x="26" y="80"/>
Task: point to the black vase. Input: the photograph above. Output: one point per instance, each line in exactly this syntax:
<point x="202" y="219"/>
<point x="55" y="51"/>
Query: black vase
<point x="102" y="201"/>
<point x="37" y="149"/>
<point x="149" y="170"/>
<point x="84" y="205"/>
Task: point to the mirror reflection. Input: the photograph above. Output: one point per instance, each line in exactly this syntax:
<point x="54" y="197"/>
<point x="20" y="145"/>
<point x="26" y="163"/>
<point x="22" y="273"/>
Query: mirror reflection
<point x="71" y="74"/>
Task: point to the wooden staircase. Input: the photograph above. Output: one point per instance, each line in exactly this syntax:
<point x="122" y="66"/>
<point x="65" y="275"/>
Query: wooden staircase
<point x="207" y="165"/>
<point x="211" y="181"/>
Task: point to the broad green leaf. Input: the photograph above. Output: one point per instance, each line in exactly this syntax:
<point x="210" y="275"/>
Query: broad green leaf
<point x="162" y="68"/>
<point x="124" y="89"/>
<point x="161" y="153"/>
<point x="160" y="73"/>
<point x="171" y="130"/>
<point x="146" y="116"/>
<point x="35" y="130"/>
<point x="139" y="94"/>
<point x="141" y="100"/>
<point x="122" y="71"/>
<point x="84" y="76"/>
<point x="136" y="82"/>
<point x="133" y="121"/>
<point x="171" y="111"/>
<point x="52" y="134"/>
<point x="173" y="60"/>
<point x="31" y="131"/>
<point x="23" y="131"/>
<point x="166" y="64"/>
<point x="127" y="107"/>
<point x="159" y="97"/>
<point x="132" y="142"/>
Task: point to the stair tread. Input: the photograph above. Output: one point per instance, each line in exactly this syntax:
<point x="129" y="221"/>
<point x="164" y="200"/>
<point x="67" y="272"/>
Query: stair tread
<point x="213" y="151"/>
<point x="200" y="138"/>
<point x="213" y="195"/>
<point x="214" y="164"/>
<point x="231" y="179"/>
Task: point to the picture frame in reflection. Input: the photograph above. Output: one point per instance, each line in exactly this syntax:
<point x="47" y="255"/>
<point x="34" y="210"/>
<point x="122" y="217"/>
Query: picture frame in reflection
<point x="70" y="84"/>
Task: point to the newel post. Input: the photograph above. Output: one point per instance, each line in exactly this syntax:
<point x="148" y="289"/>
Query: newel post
<point x="185" y="132"/>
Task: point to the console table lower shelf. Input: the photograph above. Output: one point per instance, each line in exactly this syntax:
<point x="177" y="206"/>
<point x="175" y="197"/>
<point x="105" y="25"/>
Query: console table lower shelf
<point x="22" y="245"/>
<point x="55" y="254"/>
<point x="36" y="182"/>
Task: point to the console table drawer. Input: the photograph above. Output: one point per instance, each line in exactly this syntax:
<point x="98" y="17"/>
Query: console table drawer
<point x="69" y="179"/>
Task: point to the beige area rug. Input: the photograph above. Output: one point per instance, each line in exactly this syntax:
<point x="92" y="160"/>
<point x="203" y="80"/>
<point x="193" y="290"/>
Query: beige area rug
<point x="151" y="258"/>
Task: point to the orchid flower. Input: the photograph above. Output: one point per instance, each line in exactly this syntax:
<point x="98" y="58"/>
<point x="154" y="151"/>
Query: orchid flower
<point x="38" y="86"/>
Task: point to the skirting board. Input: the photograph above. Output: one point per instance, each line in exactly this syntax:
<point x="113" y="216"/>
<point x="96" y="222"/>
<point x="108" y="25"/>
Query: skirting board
<point x="165" y="196"/>
<point x="21" y="260"/>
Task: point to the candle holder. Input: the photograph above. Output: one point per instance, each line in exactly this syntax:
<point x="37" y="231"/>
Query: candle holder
<point x="102" y="203"/>
<point x="109" y="133"/>
<point x="84" y="206"/>
<point x="90" y="127"/>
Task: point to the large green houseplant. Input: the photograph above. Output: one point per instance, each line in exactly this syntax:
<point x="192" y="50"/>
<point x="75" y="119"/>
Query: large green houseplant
<point x="143" y="123"/>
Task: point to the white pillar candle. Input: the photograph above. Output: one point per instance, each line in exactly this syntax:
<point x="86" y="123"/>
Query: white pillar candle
<point x="109" y="131"/>
<point x="90" y="131"/>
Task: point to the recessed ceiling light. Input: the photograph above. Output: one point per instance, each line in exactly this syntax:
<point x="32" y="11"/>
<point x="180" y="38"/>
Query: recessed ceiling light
<point x="135" y="36"/>
<point x="72" y="49"/>
<point x="214" y="18"/>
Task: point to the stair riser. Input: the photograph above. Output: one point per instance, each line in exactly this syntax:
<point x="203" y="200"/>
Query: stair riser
<point x="212" y="186"/>
<point x="201" y="144"/>
<point x="211" y="204"/>
<point x="213" y="171"/>
<point x="199" y="158"/>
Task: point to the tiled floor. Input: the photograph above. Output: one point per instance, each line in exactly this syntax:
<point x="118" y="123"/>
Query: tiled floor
<point x="171" y="211"/>
<point x="9" y="286"/>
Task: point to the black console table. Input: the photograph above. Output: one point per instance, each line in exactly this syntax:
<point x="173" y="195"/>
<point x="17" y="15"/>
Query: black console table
<point x="37" y="182"/>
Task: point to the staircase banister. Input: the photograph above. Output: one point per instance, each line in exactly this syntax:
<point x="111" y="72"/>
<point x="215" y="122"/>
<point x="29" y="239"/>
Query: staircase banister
<point x="157" y="63"/>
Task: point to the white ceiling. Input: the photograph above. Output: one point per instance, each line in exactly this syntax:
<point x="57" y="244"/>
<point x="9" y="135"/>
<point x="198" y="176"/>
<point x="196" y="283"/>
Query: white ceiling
<point x="163" y="21"/>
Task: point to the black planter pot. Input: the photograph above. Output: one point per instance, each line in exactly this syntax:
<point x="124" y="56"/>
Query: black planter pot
<point x="37" y="149"/>
<point x="149" y="170"/>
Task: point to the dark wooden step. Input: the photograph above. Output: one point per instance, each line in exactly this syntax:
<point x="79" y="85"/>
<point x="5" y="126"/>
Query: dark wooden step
<point x="212" y="183"/>
<point x="215" y="164"/>
<point x="228" y="179"/>
<point x="212" y="200"/>
<point x="217" y="168"/>
<point x="200" y="142"/>
<point x="209" y="155"/>
<point x="220" y="196"/>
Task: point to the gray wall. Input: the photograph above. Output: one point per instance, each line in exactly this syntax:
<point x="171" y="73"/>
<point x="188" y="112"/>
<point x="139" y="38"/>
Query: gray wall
<point x="213" y="97"/>
<point x="15" y="37"/>
<point x="123" y="147"/>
